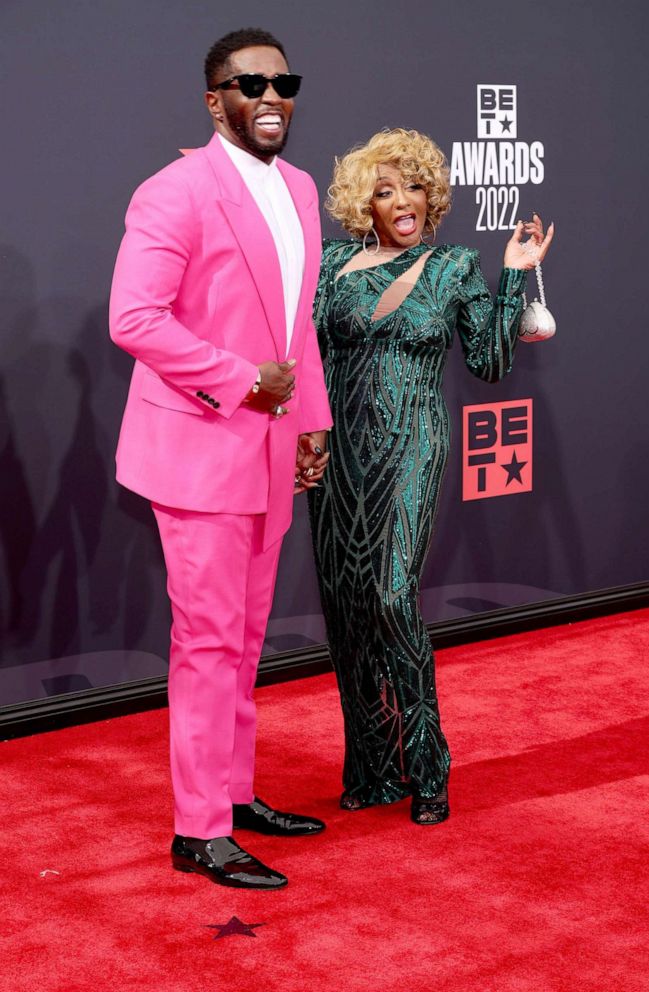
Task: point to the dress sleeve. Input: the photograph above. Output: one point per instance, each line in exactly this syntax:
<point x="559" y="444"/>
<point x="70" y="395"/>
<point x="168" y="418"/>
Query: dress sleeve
<point x="488" y="328"/>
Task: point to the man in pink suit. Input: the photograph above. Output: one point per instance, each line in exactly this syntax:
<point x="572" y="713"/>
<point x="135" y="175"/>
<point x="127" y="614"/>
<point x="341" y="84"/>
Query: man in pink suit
<point x="226" y="418"/>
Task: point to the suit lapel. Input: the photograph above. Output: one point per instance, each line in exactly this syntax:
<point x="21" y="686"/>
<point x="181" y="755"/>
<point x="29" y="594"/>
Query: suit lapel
<point x="307" y="211"/>
<point x="255" y="240"/>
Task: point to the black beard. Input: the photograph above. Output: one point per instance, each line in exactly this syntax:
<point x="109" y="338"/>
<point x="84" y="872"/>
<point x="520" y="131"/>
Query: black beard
<point x="249" y="142"/>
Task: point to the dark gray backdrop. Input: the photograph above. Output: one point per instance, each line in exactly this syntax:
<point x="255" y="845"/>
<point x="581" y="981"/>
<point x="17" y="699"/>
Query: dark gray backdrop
<point x="97" y="96"/>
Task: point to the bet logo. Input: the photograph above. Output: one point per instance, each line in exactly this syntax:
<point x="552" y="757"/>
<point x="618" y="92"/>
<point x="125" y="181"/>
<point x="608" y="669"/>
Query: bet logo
<point x="497" y="449"/>
<point x="496" y="111"/>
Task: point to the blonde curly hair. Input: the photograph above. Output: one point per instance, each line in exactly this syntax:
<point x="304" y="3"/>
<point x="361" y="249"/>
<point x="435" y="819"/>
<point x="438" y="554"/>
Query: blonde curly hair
<point x="416" y="157"/>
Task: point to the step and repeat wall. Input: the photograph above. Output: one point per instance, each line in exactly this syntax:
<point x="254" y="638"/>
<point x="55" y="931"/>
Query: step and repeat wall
<point x="537" y="107"/>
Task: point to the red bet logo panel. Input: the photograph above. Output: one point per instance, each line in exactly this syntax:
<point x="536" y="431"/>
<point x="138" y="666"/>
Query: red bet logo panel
<point x="497" y="449"/>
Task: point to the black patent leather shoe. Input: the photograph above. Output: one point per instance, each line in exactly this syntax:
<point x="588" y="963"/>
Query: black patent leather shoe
<point x="222" y="860"/>
<point x="260" y="817"/>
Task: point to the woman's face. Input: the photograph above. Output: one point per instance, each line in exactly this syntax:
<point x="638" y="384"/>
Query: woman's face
<point x="399" y="208"/>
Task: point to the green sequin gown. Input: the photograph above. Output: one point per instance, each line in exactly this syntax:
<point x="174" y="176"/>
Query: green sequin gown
<point x="372" y="519"/>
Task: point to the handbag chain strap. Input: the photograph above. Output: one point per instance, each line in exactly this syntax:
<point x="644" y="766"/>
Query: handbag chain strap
<point x="539" y="280"/>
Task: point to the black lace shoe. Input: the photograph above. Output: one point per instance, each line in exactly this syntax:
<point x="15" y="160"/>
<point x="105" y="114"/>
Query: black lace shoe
<point x="222" y="860"/>
<point x="433" y="810"/>
<point x="260" y="817"/>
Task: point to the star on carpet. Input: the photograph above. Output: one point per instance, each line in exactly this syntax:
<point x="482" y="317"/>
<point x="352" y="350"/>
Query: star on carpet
<point x="234" y="925"/>
<point x="513" y="469"/>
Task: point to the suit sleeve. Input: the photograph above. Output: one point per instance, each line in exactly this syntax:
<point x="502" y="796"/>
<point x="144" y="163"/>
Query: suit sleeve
<point x="161" y="228"/>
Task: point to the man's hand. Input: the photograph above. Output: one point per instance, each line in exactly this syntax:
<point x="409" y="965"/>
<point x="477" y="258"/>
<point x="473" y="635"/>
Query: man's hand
<point x="311" y="460"/>
<point x="275" y="389"/>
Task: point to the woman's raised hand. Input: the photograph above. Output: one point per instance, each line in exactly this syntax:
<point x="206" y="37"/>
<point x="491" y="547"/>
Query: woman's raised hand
<point x="521" y="254"/>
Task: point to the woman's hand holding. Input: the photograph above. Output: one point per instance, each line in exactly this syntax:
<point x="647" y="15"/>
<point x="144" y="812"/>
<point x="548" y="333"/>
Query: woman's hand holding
<point x="311" y="461"/>
<point x="521" y="254"/>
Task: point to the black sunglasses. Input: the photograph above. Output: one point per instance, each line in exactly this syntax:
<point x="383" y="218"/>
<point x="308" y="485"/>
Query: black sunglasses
<point x="254" y="84"/>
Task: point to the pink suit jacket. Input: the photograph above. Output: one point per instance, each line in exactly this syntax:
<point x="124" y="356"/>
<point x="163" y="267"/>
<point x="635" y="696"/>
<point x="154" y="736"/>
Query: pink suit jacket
<point x="197" y="299"/>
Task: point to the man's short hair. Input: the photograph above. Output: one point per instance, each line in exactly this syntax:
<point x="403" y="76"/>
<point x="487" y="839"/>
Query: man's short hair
<point x="233" y="42"/>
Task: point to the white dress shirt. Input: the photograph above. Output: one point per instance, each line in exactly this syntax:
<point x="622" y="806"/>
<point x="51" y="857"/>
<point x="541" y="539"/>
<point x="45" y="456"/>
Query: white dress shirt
<point x="270" y="192"/>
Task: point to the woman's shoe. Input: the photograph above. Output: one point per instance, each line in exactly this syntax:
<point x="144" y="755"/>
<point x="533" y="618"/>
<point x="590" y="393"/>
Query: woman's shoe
<point x="351" y="803"/>
<point x="427" y="811"/>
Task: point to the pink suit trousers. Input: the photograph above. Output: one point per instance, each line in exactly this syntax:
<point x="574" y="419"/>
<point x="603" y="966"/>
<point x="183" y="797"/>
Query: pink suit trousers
<point x="220" y="583"/>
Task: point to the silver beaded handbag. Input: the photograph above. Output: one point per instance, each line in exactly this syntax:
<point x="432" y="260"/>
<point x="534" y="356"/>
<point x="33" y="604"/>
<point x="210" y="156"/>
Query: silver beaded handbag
<point x="537" y="323"/>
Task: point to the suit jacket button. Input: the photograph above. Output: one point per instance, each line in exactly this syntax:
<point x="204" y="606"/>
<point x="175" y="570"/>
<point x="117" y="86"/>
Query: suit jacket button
<point x="200" y="394"/>
<point x="216" y="404"/>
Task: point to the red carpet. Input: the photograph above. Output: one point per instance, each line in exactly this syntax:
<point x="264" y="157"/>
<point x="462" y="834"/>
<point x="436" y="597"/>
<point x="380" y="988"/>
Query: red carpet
<point x="537" y="883"/>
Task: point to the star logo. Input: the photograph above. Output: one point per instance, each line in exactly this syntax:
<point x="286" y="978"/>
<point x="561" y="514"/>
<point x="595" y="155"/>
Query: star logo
<point x="513" y="469"/>
<point x="234" y="925"/>
<point x="506" y="125"/>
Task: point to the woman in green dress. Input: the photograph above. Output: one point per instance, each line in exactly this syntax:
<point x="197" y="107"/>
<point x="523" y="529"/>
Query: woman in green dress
<point x="386" y="311"/>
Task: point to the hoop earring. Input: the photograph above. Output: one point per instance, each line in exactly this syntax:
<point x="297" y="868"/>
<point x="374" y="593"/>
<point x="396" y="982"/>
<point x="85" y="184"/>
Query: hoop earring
<point x="432" y="234"/>
<point x="378" y="243"/>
